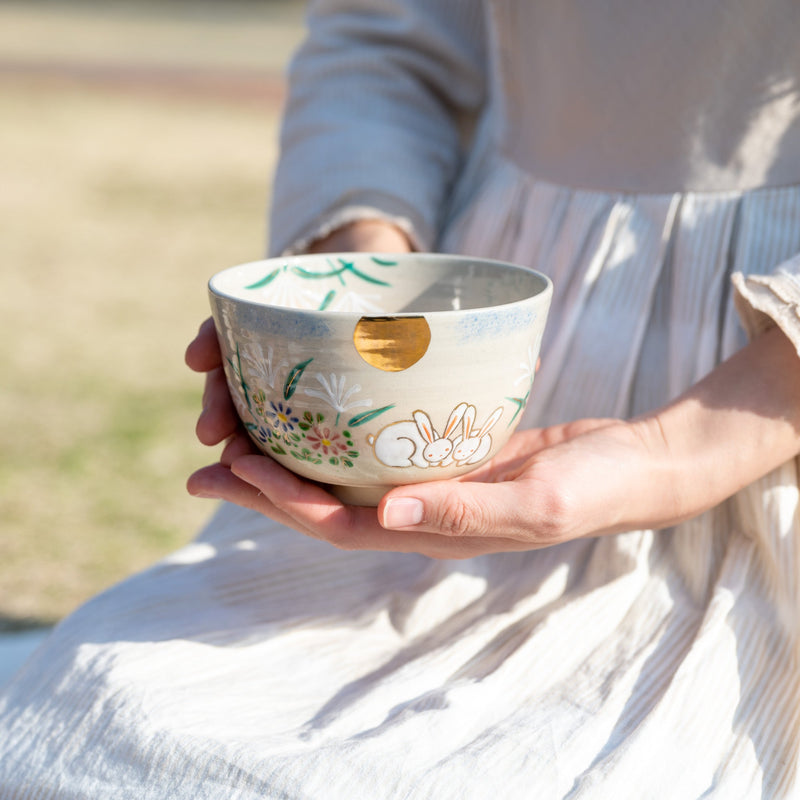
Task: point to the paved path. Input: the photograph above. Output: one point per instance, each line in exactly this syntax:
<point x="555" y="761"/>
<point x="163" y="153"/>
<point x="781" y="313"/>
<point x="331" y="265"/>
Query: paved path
<point x="15" y="649"/>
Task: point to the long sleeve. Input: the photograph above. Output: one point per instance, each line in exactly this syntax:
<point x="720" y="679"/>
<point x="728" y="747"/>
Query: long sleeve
<point x="372" y="123"/>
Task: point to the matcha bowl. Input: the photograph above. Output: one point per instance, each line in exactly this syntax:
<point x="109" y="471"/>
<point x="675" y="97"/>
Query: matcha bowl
<point x="366" y="371"/>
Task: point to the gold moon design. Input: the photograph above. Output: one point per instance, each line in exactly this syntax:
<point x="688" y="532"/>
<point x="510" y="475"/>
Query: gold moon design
<point x="392" y="343"/>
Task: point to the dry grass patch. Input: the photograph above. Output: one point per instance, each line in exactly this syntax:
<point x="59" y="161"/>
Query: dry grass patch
<point x="114" y="211"/>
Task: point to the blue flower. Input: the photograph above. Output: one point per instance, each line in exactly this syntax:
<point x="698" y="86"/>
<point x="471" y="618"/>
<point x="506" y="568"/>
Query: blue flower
<point x="280" y="416"/>
<point x="262" y="434"/>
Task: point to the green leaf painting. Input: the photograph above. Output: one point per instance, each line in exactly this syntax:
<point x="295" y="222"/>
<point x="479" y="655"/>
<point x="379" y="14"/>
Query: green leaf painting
<point x="520" y="403"/>
<point x="327" y="300"/>
<point x="266" y="280"/>
<point x="295" y="373"/>
<point x="367" y="416"/>
<point x="339" y="272"/>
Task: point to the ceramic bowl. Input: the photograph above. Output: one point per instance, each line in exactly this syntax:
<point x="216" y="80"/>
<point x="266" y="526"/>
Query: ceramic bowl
<point x="366" y="371"/>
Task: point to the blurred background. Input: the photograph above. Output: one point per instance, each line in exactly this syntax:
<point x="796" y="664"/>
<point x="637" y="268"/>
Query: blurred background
<point x="137" y="143"/>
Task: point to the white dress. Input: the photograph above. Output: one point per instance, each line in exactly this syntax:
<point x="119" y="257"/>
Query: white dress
<point x="647" y="157"/>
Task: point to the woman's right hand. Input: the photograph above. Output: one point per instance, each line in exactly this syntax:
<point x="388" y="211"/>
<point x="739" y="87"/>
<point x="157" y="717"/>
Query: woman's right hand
<point x="218" y="420"/>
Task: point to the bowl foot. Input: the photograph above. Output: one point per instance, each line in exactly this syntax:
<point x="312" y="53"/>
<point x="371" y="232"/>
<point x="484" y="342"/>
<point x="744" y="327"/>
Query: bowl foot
<point x="359" y="495"/>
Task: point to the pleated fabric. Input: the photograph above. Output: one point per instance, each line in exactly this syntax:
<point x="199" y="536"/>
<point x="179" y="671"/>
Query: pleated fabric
<point x="258" y="663"/>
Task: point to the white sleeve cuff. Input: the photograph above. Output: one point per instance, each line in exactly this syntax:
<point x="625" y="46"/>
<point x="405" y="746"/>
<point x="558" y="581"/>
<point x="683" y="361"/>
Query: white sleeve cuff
<point x="764" y="301"/>
<point x="339" y="217"/>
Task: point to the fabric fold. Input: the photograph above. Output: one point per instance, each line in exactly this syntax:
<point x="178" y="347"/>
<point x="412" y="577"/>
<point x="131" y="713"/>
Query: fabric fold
<point x="767" y="300"/>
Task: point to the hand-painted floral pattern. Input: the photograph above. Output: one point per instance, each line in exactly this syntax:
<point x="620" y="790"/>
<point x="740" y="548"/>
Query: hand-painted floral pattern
<point x="261" y="433"/>
<point x="281" y="416"/>
<point x="263" y="368"/>
<point x="332" y="444"/>
<point x="275" y="418"/>
<point x="334" y="393"/>
<point x="528" y="369"/>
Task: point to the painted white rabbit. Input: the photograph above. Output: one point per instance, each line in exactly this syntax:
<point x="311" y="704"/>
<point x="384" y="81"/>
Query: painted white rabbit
<point x="474" y="446"/>
<point x="416" y="443"/>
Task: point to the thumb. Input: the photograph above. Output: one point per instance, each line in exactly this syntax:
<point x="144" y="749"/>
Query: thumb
<point x="454" y="508"/>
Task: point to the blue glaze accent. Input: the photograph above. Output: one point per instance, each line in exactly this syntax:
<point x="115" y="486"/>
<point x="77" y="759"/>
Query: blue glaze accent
<point x="292" y="324"/>
<point x="494" y="323"/>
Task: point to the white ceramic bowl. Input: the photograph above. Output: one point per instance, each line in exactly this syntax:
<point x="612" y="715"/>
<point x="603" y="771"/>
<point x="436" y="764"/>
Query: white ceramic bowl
<point x="366" y="371"/>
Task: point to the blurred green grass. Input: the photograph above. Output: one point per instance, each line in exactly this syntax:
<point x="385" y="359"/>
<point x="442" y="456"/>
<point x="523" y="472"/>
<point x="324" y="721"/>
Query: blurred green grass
<point x="116" y="205"/>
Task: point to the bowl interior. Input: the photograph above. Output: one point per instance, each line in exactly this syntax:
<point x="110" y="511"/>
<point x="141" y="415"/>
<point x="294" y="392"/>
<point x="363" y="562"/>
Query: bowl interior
<point x="379" y="284"/>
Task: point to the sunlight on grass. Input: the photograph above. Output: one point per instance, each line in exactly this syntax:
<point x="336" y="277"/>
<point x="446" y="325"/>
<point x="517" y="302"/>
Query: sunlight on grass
<point x="114" y="211"/>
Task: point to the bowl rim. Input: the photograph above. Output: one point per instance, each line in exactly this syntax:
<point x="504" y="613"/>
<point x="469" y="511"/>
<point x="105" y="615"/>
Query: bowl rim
<point x="539" y="297"/>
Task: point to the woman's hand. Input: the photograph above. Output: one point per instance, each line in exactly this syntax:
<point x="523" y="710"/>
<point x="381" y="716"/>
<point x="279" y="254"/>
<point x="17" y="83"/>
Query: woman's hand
<point x="550" y="485"/>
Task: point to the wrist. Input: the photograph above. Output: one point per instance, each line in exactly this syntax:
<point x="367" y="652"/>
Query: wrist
<point x="364" y="235"/>
<point x="676" y="481"/>
<point x="731" y="428"/>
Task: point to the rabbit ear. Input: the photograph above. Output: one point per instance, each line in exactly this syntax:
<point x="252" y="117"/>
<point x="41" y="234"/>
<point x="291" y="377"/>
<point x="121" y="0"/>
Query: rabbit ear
<point x="492" y="421"/>
<point x="425" y="426"/>
<point x="455" y="418"/>
<point x="469" y="420"/>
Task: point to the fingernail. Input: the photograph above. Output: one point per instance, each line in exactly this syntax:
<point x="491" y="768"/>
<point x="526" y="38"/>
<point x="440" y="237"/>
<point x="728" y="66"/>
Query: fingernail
<point x="402" y="512"/>
<point x="205" y="495"/>
<point x="199" y="491"/>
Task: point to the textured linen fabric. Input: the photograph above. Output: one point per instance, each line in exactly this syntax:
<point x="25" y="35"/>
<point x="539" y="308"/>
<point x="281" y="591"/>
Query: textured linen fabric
<point x="256" y="662"/>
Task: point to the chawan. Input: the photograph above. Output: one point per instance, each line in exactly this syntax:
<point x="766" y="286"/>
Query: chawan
<point x="366" y="371"/>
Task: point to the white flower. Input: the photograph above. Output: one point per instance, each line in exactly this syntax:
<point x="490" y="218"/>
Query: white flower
<point x="262" y="368"/>
<point x="235" y="385"/>
<point x="528" y="369"/>
<point x="333" y="393"/>
<point x="227" y="327"/>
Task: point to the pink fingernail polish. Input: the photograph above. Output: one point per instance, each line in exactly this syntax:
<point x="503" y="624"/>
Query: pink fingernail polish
<point x="403" y="512"/>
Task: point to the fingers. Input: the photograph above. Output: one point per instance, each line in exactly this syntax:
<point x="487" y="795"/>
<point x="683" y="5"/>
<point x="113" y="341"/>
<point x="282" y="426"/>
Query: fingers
<point x="313" y="511"/>
<point x="203" y="353"/>
<point x="310" y="507"/>
<point x="217" y="482"/>
<point x="238" y="445"/>
<point x="218" y="420"/>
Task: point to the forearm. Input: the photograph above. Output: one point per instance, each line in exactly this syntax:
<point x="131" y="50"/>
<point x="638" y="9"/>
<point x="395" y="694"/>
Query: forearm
<point x="731" y="428"/>
<point x="376" y="95"/>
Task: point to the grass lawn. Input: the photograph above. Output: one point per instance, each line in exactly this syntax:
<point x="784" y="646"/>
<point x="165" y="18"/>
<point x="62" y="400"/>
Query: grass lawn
<point x="115" y="208"/>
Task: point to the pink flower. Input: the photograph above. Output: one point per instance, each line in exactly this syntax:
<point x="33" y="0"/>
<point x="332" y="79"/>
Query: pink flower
<point x="330" y="442"/>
